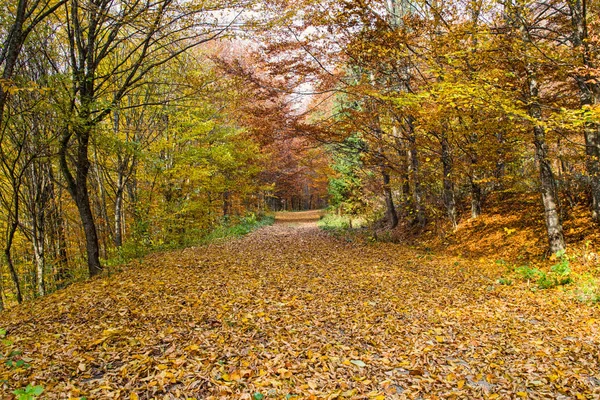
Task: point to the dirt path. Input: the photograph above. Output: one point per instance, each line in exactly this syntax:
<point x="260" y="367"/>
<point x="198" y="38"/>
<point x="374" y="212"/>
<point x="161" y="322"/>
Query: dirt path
<point x="288" y="311"/>
<point x="302" y="219"/>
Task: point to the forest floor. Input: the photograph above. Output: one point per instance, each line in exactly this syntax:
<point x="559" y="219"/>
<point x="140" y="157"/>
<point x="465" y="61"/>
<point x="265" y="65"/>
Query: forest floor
<point x="290" y="311"/>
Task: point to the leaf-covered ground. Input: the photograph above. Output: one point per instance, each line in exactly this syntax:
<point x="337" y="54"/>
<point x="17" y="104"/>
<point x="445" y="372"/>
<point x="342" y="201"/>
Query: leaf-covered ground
<point x="290" y="310"/>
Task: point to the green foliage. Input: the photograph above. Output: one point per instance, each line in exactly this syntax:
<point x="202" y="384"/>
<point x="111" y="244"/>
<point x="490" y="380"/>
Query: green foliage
<point x="562" y="267"/>
<point x="228" y="228"/>
<point x="559" y="274"/>
<point x="332" y="222"/>
<point x="528" y="273"/>
<point x="546" y="282"/>
<point x="346" y="189"/>
<point x="29" y="392"/>
<point x="505" y="281"/>
<point x="588" y="290"/>
<point x="245" y="225"/>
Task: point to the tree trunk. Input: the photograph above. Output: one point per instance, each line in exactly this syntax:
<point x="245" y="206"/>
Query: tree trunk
<point x="589" y="95"/>
<point x="414" y="164"/>
<point x="39" y="189"/>
<point x="476" y="197"/>
<point x="500" y="170"/>
<point x="39" y="256"/>
<point x="91" y="236"/>
<point x="77" y="187"/>
<point x="58" y="233"/>
<point x="390" y="210"/>
<point x="226" y="203"/>
<point x="12" y="46"/>
<point x="592" y="152"/>
<point x="403" y="166"/>
<point x="39" y="252"/>
<point x="12" y="228"/>
<point x="548" y="185"/>
<point x="449" y="200"/>
<point x="118" y="238"/>
<point x="1" y="293"/>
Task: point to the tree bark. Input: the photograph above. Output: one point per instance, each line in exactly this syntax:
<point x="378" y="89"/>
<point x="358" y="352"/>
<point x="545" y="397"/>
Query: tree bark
<point x="104" y="228"/>
<point x="39" y="199"/>
<point x="449" y="199"/>
<point x="390" y="210"/>
<point x="78" y="189"/>
<point x="118" y="238"/>
<point x="226" y="203"/>
<point x="57" y="227"/>
<point x="476" y="197"/>
<point x="39" y="253"/>
<point x="589" y="95"/>
<point x="548" y="187"/>
<point x="419" y="208"/>
<point x="10" y="235"/>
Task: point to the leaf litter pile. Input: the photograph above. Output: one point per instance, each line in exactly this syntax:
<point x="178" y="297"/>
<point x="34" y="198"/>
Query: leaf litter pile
<point x="292" y="312"/>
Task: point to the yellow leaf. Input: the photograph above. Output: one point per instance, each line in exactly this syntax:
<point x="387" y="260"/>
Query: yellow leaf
<point x="133" y="396"/>
<point x="522" y="394"/>
<point x="440" y="339"/>
<point x="461" y="383"/>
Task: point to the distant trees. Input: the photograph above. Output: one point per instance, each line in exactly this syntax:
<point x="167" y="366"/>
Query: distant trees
<point x="456" y="100"/>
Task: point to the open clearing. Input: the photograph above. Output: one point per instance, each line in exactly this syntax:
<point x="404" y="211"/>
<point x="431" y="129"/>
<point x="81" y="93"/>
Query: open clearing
<point x="291" y="310"/>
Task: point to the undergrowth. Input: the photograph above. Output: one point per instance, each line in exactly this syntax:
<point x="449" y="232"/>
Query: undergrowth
<point x="334" y="222"/>
<point x="559" y="274"/>
<point x="584" y="287"/>
<point x="228" y="228"/>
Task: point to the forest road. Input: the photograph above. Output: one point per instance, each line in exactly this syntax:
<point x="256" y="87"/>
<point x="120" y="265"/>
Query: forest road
<point x="290" y="311"/>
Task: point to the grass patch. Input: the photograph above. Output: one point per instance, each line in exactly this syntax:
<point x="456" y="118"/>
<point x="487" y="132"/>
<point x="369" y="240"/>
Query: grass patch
<point x="560" y="273"/>
<point x="334" y="222"/>
<point x="588" y="290"/>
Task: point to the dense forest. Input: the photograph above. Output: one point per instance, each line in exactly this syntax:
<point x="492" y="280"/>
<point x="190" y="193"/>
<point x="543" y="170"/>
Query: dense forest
<point x="450" y="149"/>
<point x="128" y="126"/>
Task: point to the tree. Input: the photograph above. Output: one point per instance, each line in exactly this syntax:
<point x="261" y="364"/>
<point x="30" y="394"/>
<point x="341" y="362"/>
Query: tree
<point x="150" y="35"/>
